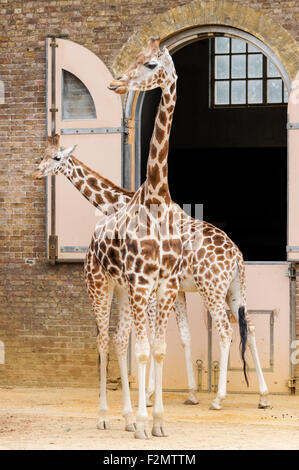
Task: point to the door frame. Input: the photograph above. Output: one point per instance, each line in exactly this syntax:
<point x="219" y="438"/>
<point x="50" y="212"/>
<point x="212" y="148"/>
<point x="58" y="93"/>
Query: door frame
<point x="132" y="154"/>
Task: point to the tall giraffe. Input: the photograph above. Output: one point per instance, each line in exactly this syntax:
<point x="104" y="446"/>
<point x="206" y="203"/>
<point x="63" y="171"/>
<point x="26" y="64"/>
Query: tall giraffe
<point x="213" y="261"/>
<point x="203" y="254"/>
<point x="138" y="249"/>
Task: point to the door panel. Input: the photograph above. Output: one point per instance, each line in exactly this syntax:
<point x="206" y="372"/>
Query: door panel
<point x="293" y="189"/>
<point x="268" y="304"/>
<point x="98" y="140"/>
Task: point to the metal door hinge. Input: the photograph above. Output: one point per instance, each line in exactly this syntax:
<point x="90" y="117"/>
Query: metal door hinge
<point x="291" y="383"/>
<point x="291" y="272"/>
<point x="215" y="369"/>
<point x="53" y="248"/>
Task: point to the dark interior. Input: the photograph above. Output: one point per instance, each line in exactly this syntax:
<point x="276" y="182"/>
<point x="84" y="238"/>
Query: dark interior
<point x="231" y="160"/>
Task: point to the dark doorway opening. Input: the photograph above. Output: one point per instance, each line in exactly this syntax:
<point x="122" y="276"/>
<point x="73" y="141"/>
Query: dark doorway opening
<point x="233" y="160"/>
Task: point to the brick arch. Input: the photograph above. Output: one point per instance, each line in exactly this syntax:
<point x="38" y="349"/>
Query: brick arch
<point x="214" y="12"/>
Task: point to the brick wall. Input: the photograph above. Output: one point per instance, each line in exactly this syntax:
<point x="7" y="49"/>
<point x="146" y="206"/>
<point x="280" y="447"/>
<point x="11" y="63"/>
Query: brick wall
<point x="46" y="321"/>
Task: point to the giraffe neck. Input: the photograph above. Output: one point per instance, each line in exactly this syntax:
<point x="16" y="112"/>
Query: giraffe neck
<point x="101" y="192"/>
<point x="157" y="169"/>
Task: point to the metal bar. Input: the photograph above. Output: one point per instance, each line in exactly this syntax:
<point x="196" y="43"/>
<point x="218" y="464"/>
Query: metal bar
<point x="53" y="111"/>
<point x="292" y="125"/>
<point x="73" y="249"/>
<point x="292" y="249"/>
<point x="96" y="130"/>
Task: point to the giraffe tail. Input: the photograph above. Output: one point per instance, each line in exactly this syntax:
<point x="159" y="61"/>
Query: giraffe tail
<point x="243" y="339"/>
<point x="236" y="300"/>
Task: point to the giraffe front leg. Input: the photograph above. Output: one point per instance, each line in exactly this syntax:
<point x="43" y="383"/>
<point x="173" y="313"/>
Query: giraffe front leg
<point x="159" y="427"/>
<point x="121" y="341"/>
<point x="142" y="352"/>
<point x="103" y="421"/>
<point x="165" y="304"/>
<point x="100" y="291"/>
<point x="151" y="314"/>
<point x="185" y="336"/>
<point x="225" y="336"/>
<point x="138" y="306"/>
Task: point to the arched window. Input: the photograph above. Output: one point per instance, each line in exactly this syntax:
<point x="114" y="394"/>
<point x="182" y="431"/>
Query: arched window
<point x="77" y="102"/>
<point x="243" y="75"/>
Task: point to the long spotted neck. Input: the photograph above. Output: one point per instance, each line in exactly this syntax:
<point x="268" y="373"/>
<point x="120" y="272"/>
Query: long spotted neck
<point x="157" y="168"/>
<point x="102" y="193"/>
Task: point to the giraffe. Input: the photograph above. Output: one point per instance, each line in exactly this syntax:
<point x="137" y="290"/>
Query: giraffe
<point x="137" y="249"/>
<point x="192" y="278"/>
<point x="210" y="258"/>
<point x="104" y="195"/>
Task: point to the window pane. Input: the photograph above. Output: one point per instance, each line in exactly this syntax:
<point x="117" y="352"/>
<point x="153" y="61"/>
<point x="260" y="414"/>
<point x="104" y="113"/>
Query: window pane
<point x="274" y="94"/>
<point x="272" y="70"/>
<point x="255" y="91"/>
<point x="255" y="65"/>
<point x="238" y="45"/>
<point x="239" y="92"/>
<point x="77" y="102"/>
<point x="222" y="66"/>
<point x="252" y="48"/>
<point x="222" y="45"/>
<point x="239" y="66"/>
<point x="221" y="92"/>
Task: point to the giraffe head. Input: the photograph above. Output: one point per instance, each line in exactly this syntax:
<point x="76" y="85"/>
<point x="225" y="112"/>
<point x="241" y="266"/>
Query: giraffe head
<point x="152" y="68"/>
<point x="54" y="159"/>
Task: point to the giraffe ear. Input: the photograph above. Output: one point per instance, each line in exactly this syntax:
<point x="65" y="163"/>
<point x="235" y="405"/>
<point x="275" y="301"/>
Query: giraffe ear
<point x="49" y="140"/>
<point x="69" y="151"/>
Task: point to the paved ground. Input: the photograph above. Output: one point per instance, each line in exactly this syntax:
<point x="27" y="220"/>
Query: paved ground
<point x="66" y="419"/>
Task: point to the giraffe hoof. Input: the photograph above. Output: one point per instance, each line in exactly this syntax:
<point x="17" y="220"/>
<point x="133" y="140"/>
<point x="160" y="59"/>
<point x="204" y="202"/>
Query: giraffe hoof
<point x="192" y="398"/>
<point x="159" y="431"/>
<point x="263" y="403"/>
<point x="215" y="406"/>
<point x="130" y="427"/>
<point x="142" y="434"/>
<point x="263" y="406"/>
<point x="103" y="424"/>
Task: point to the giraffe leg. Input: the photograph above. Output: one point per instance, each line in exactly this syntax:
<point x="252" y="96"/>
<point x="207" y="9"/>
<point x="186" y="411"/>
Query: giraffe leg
<point x="263" y="402"/>
<point x="165" y="304"/>
<point x="151" y="315"/>
<point x="235" y="298"/>
<point x="185" y="336"/>
<point x="138" y="305"/>
<point x="224" y="331"/>
<point x="100" y="291"/>
<point x="121" y="341"/>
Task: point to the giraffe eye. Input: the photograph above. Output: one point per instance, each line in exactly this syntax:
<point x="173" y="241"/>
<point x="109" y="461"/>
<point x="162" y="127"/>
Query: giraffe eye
<point x="150" y="65"/>
<point x="57" y="158"/>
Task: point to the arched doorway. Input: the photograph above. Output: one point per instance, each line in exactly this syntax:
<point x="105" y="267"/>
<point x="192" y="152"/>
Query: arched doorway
<point x="236" y="160"/>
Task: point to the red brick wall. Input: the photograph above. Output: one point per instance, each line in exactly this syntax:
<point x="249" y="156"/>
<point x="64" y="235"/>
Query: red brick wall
<point x="46" y="321"/>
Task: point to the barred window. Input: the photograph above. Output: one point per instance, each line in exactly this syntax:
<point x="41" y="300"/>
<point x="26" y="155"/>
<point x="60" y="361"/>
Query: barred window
<point x="242" y="76"/>
<point x="77" y="102"/>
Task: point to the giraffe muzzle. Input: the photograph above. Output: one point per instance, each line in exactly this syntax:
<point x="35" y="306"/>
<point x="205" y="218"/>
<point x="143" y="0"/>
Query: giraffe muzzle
<point x="37" y="174"/>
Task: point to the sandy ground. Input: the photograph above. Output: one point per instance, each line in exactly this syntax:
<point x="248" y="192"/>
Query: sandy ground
<point x="66" y="419"/>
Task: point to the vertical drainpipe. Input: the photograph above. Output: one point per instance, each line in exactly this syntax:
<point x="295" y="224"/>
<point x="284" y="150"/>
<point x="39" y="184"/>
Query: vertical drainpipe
<point x="53" y="239"/>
